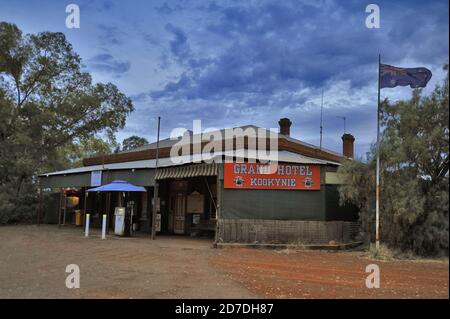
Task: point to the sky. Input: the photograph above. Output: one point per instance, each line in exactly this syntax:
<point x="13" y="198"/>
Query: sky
<point x="233" y="63"/>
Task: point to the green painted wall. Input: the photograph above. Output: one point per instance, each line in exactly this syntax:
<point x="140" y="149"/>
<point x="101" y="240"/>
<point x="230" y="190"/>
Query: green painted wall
<point x="320" y="205"/>
<point x="140" y="177"/>
<point x="335" y="211"/>
<point x="274" y="204"/>
<point x="241" y="203"/>
<point x="70" y="180"/>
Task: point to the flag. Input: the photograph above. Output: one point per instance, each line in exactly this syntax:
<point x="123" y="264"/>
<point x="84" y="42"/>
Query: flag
<point x="392" y="76"/>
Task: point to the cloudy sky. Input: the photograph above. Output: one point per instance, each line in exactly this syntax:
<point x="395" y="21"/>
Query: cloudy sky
<point x="232" y="63"/>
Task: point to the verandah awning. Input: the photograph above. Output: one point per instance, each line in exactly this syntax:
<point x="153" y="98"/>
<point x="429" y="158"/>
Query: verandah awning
<point x="187" y="171"/>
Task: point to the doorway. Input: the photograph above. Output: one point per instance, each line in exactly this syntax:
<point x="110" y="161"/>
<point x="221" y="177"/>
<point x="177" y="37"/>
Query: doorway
<point x="179" y="214"/>
<point x="177" y="206"/>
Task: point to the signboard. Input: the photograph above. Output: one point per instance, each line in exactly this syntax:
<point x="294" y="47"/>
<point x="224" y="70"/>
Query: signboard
<point x="96" y="178"/>
<point x="195" y="203"/>
<point x="158" y="204"/>
<point x="272" y="176"/>
<point x="158" y="223"/>
<point x="119" y="222"/>
<point x="196" y="219"/>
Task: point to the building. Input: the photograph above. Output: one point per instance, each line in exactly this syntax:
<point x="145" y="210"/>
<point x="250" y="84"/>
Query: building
<point x="224" y="187"/>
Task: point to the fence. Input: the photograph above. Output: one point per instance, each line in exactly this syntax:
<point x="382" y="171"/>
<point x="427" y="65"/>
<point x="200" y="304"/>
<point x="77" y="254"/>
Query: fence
<point x="285" y="231"/>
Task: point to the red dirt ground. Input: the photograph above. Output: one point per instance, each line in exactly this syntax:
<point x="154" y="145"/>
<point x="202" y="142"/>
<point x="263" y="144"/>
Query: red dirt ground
<point x="33" y="262"/>
<point x="321" y="274"/>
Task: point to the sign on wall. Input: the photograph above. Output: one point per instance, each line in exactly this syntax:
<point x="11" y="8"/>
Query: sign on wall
<point x="158" y="223"/>
<point x="96" y="178"/>
<point x="195" y="203"/>
<point x="272" y="176"/>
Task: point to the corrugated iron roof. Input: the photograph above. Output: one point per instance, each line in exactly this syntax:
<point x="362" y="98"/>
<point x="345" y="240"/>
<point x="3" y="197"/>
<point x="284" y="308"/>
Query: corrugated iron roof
<point x="187" y="171"/>
<point x="168" y="142"/>
<point x="281" y="156"/>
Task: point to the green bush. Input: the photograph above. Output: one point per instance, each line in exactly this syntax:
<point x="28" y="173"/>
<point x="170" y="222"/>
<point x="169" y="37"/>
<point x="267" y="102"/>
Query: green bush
<point x="414" y="169"/>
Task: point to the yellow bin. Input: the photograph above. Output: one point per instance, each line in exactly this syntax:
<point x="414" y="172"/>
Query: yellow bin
<point x="79" y="217"/>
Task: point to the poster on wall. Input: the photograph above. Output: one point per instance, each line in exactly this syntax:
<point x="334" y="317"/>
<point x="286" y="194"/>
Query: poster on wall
<point x="158" y="223"/>
<point x="195" y="203"/>
<point x="272" y="176"/>
<point x="96" y="178"/>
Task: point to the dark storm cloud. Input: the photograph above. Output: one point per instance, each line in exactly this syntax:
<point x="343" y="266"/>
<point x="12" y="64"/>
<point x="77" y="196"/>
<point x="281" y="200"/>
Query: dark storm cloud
<point x="233" y="62"/>
<point x="105" y="62"/>
<point x="110" y="35"/>
<point x="179" y="45"/>
<point x="273" y="58"/>
<point x="286" y="46"/>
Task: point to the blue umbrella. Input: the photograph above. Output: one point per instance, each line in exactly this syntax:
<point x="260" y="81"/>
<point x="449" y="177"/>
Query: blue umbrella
<point x="118" y="186"/>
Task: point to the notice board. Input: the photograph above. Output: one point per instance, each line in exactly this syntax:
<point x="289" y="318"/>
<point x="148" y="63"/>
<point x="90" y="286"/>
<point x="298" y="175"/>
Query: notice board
<point x="96" y="178"/>
<point x="195" y="203"/>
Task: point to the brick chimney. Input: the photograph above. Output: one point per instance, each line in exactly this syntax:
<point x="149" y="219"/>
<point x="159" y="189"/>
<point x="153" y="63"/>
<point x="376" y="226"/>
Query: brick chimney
<point x="347" y="145"/>
<point x="285" y="126"/>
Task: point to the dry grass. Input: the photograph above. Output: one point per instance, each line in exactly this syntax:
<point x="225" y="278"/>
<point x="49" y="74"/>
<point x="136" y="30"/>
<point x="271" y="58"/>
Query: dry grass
<point x="389" y="254"/>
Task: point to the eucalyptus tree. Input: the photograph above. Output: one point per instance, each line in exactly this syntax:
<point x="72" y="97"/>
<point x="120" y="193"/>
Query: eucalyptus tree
<point x="415" y="175"/>
<point x="48" y="104"/>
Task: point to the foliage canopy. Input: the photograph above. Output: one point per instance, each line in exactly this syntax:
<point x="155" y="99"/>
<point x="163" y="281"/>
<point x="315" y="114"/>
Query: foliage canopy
<point x="50" y="113"/>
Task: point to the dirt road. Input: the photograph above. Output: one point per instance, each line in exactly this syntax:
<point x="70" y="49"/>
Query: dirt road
<point x="320" y="274"/>
<point x="33" y="261"/>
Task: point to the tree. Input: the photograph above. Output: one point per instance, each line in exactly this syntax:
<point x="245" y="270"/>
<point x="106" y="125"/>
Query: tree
<point x="133" y="142"/>
<point x="73" y="153"/>
<point x="47" y="104"/>
<point x="414" y="175"/>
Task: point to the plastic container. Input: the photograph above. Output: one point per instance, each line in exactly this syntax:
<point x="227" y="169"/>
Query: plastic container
<point x="79" y="217"/>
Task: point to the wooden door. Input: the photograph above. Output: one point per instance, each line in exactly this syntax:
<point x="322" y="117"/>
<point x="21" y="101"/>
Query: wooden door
<point x="179" y="213"/>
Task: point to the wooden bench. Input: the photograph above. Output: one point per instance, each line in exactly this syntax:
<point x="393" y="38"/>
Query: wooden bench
<point x="205" y="227"/>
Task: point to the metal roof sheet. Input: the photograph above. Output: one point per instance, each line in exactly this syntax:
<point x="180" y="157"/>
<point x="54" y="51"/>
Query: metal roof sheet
<point x="281" y="156"/>
<point x="168" y="142"/>
<point x="187" y="171"/>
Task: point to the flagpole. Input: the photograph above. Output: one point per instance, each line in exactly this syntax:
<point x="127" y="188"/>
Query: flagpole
<point x="156" y="186"/>
<point x="377" y="191"/>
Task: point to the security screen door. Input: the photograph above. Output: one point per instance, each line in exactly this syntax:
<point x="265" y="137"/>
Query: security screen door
<point x="179" y="214"/>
